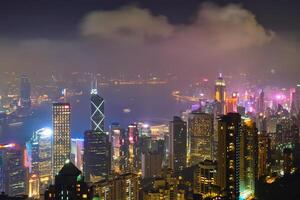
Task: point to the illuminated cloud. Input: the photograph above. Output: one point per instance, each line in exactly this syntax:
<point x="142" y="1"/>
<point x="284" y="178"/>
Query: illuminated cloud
<point x="132" y="40"/>
<point x="230" y="27"/>
<point x="129" y="23"/>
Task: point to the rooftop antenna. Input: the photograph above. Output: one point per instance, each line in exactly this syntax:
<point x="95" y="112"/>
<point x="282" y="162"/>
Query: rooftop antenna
<point x="94" y="85"/>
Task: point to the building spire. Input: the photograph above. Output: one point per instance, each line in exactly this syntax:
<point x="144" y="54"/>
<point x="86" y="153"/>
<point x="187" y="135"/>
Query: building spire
<point x="94" y="85"/>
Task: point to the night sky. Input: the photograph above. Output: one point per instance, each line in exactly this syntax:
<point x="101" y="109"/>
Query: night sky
<point x="205" y="37"/>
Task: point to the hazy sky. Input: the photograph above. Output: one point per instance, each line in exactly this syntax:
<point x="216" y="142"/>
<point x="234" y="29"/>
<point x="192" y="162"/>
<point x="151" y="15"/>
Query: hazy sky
<point x="191" y="38"/>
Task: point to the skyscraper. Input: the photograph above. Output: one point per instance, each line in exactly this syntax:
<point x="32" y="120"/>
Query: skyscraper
<point x="97" y="156"/>
<point x="295" y="103"/>
<point x="231" y="103"/>
<point x="237" y="156"/>
<point x="263" y="154"/>
<point x="116" y="133"/>
<point x="200" y="137"/>
<point x="134" y="150"/>
<point x="77" y="152"/>
<point x="124" y="152"/>
<point x="248" y="158"/>
<point x="228" y="154"/>
<point x="25" y="91"/>
<point x="61" y="116"/>
<point x="220" y="94"/>
<point x="97" y="147"/>
<point x="39" y="149"/>
<point x="261" y="102"/>
<point x="151" y="164"/>
<point x="14" y="171"/>
<point x="97" y="109"/>
<point x="178" y="139"/>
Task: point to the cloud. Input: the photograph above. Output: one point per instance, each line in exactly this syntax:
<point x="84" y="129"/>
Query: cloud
<point x="221" y="29"/>
<point x="132" y="40"/>
<point x="129" y="23"/>
<point x="227" y="28"/>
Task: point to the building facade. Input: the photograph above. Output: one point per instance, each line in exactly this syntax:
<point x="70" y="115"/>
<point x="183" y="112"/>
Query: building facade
<point x="248" y="158"/>
<point x="200" y="137"/>
<point x="39" y="150"/>
<point x="220" y="95"/>
<point x="15" y="174"/>
<point x="205" y="178"/>
<point x="122" y="187"/>
<point x="97" y="156"/>
<point x="178" y="144"/>
<point x="61" y="119"/>
<point x="25" y="91"/>
<point x="229" y="127"/>
<point x="151" y="164"/>
<point x="97" y="109"/>
<point x="77" y="152"/>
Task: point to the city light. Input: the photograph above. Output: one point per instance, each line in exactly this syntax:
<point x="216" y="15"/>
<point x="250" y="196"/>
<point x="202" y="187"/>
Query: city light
<point x="45" y="132"/>
<point x="246" y="194"/>
<point x="10" y="145"/>
<point x="150" y="100"/>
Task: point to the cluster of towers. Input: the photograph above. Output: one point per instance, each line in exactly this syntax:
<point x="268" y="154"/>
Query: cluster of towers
<point x="226" y="149"/>
<point x="96" y="159"/>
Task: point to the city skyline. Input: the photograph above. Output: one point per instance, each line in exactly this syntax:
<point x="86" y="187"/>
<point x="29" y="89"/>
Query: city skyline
<point x="140" y="100"/>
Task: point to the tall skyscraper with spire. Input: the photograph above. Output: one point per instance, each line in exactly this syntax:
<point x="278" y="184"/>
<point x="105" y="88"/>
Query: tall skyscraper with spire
<point x="97" y="108"/>
<point x="97" y="148"/>
<point x="220" y="95"/>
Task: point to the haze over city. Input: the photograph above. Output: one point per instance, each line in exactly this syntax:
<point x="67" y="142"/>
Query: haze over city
<point x="126" y="37"/>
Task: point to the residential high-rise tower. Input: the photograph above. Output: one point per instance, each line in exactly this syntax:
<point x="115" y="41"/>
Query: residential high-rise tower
<point x="229" y="130"/>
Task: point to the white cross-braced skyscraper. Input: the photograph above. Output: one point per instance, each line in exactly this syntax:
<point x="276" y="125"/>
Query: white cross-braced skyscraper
<point x="97" y="108"/>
